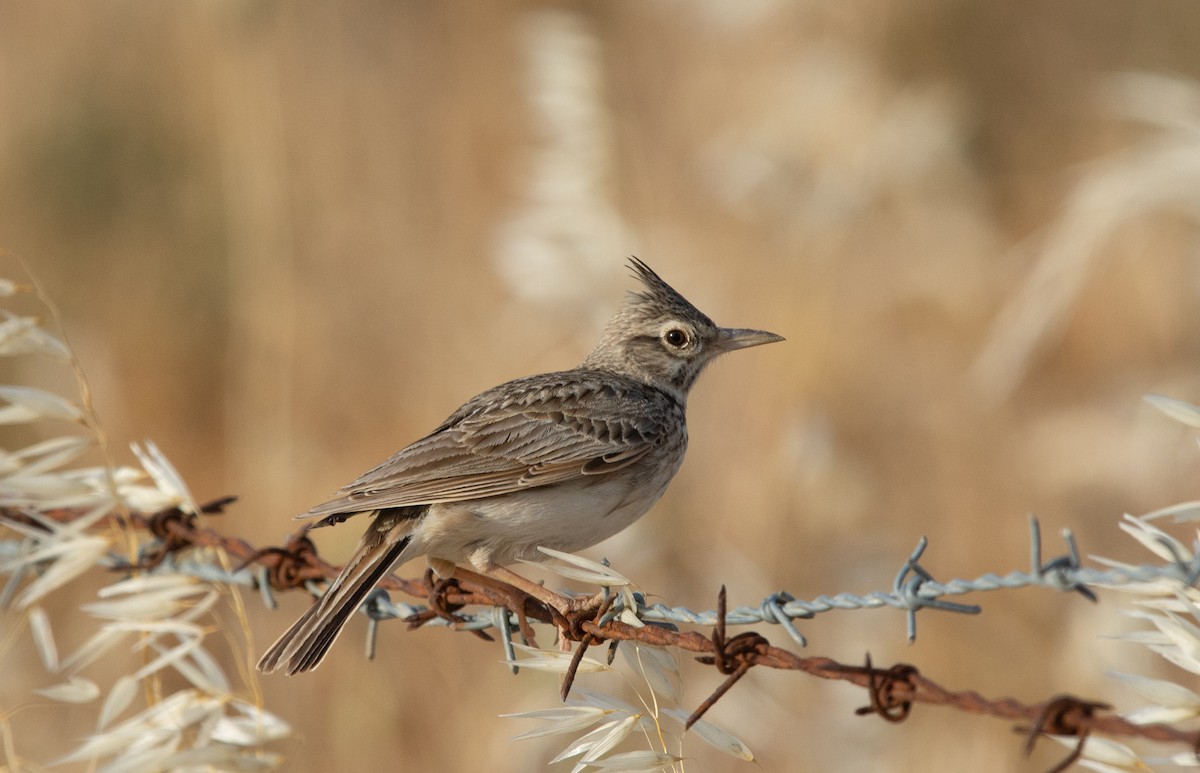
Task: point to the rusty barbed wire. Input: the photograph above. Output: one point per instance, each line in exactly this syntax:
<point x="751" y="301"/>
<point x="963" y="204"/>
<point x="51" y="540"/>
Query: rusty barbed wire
<point x="1068" y="716"/>
<point x="882" y="688"/>
<point x="732" y="657"/>
<point x="179" y="541"/>
<point x="296" y="564"/>
<point x="584" y="640"/>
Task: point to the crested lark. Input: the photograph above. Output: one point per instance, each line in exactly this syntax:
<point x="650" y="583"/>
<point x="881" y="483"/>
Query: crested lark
<point x="562" y="460"/>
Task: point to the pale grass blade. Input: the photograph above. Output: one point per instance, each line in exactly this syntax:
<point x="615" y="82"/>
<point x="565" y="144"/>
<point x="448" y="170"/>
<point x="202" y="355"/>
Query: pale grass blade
<point x="643" y="761"/>
<point x="74" y="690"/>
<point x="43" y="638"/>
<point x="566" y="719"/>
<point x="123" y="691"/>
<point x="714" y="736"/>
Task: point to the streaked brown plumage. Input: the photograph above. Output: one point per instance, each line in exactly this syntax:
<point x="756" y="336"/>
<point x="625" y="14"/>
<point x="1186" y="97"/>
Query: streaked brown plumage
<point x="561" y="460"/>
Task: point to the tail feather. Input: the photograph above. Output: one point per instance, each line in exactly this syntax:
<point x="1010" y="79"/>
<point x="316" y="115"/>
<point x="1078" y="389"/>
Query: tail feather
<point x="304" y="645"/>
<point x="327" y="625"/>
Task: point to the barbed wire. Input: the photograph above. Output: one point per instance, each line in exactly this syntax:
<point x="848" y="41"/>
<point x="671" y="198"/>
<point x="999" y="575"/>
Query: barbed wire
<point x="297" y="564"/>
<point x="182" y="543"/>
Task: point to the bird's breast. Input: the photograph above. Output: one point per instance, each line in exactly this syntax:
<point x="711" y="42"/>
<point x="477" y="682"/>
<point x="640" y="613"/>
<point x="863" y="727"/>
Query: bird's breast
<point x="566" y="516"/>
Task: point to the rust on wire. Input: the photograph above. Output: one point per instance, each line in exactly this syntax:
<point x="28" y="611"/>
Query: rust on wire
<point x="171" y="528"/>
<point x="732" y="657"/>
<point x="217" y="506"/>
<point x="291" y="566"/>
<point x="573" y="624"/>
<point x="890" y="691"/>
<point x="441" y="590"/>
<point x="585" y="640"/>
<point x="1068" y="716"/>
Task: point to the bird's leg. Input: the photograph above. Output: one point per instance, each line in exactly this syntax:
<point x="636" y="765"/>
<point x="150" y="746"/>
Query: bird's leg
<point x="445" y="569"/>
<point x="565" y="605"/>
<point x="503" y="575"/>
<point x="504" y="594"/>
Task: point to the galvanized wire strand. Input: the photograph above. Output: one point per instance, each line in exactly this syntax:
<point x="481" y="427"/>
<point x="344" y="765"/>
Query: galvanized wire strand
<point x="913" y="589"/>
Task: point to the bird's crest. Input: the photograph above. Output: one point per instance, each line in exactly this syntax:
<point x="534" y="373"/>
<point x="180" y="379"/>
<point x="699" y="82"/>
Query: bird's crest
<point x="660" y="297"/>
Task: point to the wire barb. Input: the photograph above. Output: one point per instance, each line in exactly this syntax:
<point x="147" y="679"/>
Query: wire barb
<point x="1059" y="572"/>
<point x="585" y="640"/>
<point x="1064" y="715"/>
<point x="772" y="611"/>
<point x="297" y="564"/>
<point x="732" y="657"/>
<point x="908" y="590"/>
<point x="883" y="688"/>
<point x="290" y="566"/>
<point x="441" y="607"/>
<point x="892" y="691"/>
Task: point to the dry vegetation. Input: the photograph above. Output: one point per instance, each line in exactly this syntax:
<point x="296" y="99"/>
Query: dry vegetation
<point x="289" y="238"/>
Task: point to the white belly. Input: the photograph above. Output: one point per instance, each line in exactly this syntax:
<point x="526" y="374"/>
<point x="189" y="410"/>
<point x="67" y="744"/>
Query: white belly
<point x="503" y="530"/>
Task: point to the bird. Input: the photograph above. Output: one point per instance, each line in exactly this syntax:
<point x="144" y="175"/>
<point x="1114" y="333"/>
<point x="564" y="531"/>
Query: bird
<point x="560" y="460"/>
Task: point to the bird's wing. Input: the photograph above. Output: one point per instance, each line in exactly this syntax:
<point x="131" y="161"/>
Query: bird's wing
<point x="527" y="433"/>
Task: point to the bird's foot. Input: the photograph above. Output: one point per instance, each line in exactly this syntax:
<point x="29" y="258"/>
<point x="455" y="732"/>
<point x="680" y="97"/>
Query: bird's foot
<point x="578" y="605"/>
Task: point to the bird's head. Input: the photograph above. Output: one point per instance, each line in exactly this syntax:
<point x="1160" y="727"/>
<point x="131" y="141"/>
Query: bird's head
<point x="658" y="337"/>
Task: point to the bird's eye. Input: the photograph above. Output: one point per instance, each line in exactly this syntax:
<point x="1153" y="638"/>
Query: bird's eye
<point x="675" y="337"/>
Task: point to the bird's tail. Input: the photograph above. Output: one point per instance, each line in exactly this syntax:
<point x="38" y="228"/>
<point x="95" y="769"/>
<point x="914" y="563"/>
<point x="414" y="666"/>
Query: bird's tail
<point x="303" y="646"/>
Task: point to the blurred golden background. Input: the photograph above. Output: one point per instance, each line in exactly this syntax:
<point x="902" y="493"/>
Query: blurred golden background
<point x="289" y="238"/>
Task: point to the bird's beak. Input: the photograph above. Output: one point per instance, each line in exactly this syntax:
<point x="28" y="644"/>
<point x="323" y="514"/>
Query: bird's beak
<point x="735" y="338"/>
